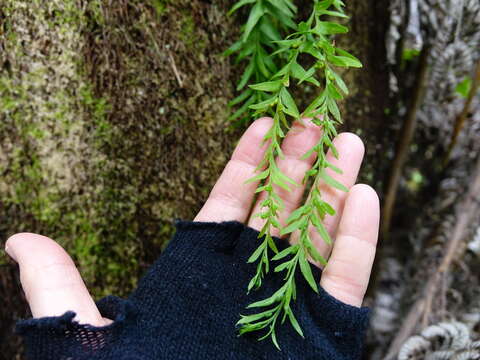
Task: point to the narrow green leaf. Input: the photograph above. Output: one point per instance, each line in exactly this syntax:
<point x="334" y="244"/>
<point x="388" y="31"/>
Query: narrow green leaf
<point x="323" y="5"/>
<point x="255" y="15"/>
<point x="261" y="189"/>
<point x="288" y="297"/>
<point x="239" y="4"/>
<point x="281" y="17"/>
<point x="279" y="182"/>
<point x="274" y="339"/>
<point x="282" y="266"/>
<point x="259" y="60"/>
<point x="243" y="109"/>
<point x="333" y="92"/>
<point x="322" y="231"/>
<point x="341" y="84"/>
<point x="309" y="152"/>
<point x="290" y="106"/>
<point x="295" y="323"/>
<point x="281" y="7"/>
<point x="335" y="13"/>
<point x="317" y="102"/>
<point x="285" y="178"/>
<point x="256" y="254"/>
<point x="264" y="104"/>
<point x="269" y="63"/>
<point x="298" y="72"/>
<point x="254" y="327"/>
<point x="309" y="77"/>
<point x="290" y="250"/>
<point x="269" y="86"/>
<point x="332" y="182"/>
<point x="279" y="51"/>
<point x="344" y="61"/>
<point x="311" y="48"/>
<point x="307" y="273"/>
<point x="329" y="28"/>
<point x="293" y="226"/>
<point x="295" y="215"/>
<point x="236" y="46"/>
<point x="328" y="208"/>
<point x="241" y="98"/>
<point x="288" y="43"/>
<point x="247" y="51"/>
<point x="334" y="168"/>
<point x="327" y="47"/>
<point x="334" y="110"/>
<point x="247" y="74"/>
<point x="265" y="302"/>
<point x="263" y="175"/>
<point x="303" y="27"/>
<point x="347" y="54"/>
<point x="294" y="291"/>
<point x="332" y="147"/>
<point x="245" y="319"/>
<point x="269" y="30"/>
<point x="339" y="4"/>
<point x="255" y="282"/>
<point x="283" y="71"/>
<point x="271" y="242"/>
<point x="290" y="4"/>
<point x="313" y="252"/>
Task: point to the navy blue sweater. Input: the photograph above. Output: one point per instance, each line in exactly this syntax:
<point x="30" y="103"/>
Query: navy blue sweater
<point x="187" y="305"/>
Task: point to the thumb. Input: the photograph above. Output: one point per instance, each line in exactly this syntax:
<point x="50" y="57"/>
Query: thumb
<point x="50" y="280"/>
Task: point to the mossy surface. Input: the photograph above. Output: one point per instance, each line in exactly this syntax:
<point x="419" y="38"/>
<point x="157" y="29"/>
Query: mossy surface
<point x="112" y="124"/>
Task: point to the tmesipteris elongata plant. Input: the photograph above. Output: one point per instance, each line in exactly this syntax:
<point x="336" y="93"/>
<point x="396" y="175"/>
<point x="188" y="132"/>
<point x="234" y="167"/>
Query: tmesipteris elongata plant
<point x="312" y="39"/>
<point x="265" y="25"/>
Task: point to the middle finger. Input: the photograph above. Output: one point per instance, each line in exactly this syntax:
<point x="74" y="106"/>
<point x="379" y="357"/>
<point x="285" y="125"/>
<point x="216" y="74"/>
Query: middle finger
<point x="300" y="139"/>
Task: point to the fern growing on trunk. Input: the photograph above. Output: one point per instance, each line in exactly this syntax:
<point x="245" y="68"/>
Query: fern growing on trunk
<point x="274" y="65"/>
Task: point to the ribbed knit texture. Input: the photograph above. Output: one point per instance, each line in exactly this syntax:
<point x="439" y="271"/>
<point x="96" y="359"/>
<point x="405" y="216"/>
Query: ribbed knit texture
<point x="187" y="305"/>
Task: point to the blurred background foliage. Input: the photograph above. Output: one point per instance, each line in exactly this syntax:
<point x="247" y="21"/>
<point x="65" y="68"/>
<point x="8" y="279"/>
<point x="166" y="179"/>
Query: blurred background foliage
<point x="113" y="123"/>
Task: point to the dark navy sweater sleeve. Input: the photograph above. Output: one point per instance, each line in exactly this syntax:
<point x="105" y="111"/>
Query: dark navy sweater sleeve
<point x="188" y="303"/>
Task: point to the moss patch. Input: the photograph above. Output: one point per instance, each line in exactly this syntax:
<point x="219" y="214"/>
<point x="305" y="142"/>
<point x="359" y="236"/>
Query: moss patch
<point x="111" y="125"/>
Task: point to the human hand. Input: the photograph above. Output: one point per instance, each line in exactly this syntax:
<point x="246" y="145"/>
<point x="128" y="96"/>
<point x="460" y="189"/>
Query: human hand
<point x="53" y="285"/>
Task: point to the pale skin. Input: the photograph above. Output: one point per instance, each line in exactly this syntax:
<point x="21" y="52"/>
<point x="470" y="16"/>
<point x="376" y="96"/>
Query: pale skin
<point x="53" y="285"/>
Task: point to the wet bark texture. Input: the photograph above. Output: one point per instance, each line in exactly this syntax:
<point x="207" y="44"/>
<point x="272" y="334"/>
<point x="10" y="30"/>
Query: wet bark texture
<point x="112" y="123"/>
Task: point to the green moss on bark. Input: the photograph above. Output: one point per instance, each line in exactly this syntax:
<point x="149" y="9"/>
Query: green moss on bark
<point x="112" y="125"/>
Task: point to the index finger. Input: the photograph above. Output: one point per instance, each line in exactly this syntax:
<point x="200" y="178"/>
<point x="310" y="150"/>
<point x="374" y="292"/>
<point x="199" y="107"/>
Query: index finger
<point x="232" y="197"/>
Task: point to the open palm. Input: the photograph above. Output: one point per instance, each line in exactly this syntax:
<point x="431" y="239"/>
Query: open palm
<point x="53" y="285"/>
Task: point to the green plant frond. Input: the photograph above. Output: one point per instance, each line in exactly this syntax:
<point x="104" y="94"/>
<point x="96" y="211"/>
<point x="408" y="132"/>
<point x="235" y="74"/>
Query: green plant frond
<point x="271" y="55"/>
<point x="266" y="24"/>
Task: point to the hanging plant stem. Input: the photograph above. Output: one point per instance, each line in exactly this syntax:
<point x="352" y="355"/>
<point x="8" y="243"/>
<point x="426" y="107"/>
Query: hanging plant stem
<point x="311" y="39"/>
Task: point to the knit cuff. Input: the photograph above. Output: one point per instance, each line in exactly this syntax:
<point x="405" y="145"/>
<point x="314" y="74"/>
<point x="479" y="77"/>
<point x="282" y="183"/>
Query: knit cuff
<point x="63" y="338"/>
